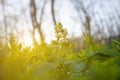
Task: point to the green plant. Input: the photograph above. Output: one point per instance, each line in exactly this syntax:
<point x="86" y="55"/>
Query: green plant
<point x="58" y="61"/>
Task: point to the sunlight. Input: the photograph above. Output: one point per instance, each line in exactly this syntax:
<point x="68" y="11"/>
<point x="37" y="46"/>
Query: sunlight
<point x="27" y="41"/>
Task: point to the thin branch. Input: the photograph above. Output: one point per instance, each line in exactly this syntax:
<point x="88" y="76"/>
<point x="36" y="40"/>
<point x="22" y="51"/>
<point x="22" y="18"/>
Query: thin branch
<point x="53" y="12"/>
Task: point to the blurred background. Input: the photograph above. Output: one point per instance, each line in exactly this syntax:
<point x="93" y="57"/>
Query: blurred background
<point x="33" y="20"/>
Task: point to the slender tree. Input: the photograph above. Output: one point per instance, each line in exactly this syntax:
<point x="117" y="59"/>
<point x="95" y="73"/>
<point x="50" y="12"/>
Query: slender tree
<point x="35" y="23"/>
<point x="4" y="16"/>
<point x="4" y="19"/>
<point x="53" y="11"/>
<point x="86" y="24"/>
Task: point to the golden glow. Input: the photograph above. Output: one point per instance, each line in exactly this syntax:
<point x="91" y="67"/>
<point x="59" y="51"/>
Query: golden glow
<point x="27" y="41"/>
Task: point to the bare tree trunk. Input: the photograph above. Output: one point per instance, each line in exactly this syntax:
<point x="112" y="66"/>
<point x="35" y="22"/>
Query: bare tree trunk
<point x="4" y="19"/>
<point x="4" y="16"/>
<point x="87" y="22"/>
<point x="53" y="12"/>
<point x="33" y="15"/>
<point x="87" y="17"/>
<point x="35" y="23"/>
<point x="87" y="26"/>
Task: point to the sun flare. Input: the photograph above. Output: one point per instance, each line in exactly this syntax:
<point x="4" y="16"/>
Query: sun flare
<point x="27" y="41"/>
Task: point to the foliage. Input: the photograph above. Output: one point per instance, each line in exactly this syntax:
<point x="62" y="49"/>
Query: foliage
<point x="58" y="61"/>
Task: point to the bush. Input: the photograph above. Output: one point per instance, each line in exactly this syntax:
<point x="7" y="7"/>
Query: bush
<point x="58" y="61"/>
